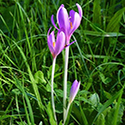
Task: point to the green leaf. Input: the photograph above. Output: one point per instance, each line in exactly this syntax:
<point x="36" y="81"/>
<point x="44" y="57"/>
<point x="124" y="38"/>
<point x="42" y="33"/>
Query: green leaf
<point x="50" y="114"/>
<point x="94" y="99"/>
<point x="59" y="92"/>
<point x="48" y="87"/>
<point x="100" y="120"/>
<point x="120" y="113"/>
<point x="71" y="124"/>
<point x="41" y="123"/>
<point x="39" y="77"/>
<point x="109" y="115"/>
<point x="107" y="94"/>
<point x="107" y="103"/>
<point x="60" y="123"/>
<point x="16" y="91"/>
<point x="59" y="107"/>
<point x="113" y="25"/>
<point x="117" y="108"/>
<point x="105" y="80"/>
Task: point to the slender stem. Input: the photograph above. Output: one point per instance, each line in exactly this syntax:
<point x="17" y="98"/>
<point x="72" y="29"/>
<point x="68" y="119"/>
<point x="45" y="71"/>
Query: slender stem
<point x="52" y="91"/>
<point x="65" y="81"/>
<point x="66" y="113"/>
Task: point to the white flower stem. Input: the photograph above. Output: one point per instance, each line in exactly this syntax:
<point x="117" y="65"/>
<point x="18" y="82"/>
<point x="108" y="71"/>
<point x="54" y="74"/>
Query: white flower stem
<point x="52" y="91"/>
<point x="66" y="113"/>
<point x="65" y="81"/>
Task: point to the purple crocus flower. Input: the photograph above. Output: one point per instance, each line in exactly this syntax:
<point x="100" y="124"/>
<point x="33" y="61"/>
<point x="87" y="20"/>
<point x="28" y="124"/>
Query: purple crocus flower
<point x="68" y="23"/>
<point x="56" y="47"/>
<point x="74" y="90"/>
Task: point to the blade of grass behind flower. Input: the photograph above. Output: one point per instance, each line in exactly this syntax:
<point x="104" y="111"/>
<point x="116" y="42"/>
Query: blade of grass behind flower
<point x="97" y="12"/>
<point x="87" y="71"/>
<point x="44" y="6"/>
<point x="74" y="66"/>
<point x="103" y="34"/>
<point x="22" y="13"/>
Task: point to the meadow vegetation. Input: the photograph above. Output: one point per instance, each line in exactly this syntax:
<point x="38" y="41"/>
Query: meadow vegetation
<point x="97" y="59"/>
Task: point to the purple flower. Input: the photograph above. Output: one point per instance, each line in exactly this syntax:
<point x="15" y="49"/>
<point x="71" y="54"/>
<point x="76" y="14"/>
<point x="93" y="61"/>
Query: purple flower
<point x="56" y="47"/>
<point x="68" y="23"/>
<point x="74" y="90"/>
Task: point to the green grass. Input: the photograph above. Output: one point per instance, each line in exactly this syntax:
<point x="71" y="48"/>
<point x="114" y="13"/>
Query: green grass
<point x="96" y="59"/>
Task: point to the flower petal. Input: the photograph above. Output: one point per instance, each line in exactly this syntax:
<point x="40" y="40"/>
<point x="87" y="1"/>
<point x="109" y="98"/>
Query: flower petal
<point x="50" y="40"/>
<point x="76" y="19"/>
<point x="74" y="90"/>
<point x="79" y="9"/>
<point x="71" y="15"/>
<point x="52" y="20"/>
<point x="60" y="43"/>
<point x="62" y="18"/>
<point x="58" y="11"/>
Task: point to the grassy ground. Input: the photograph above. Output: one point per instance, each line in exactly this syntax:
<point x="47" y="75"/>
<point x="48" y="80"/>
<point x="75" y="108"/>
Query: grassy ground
<point x="97" y="59"/>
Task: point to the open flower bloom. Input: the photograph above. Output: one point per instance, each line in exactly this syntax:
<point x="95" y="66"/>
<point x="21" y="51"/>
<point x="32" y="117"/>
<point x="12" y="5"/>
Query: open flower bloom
<point x="68" y="23"/>
<point x="56" y="47"/>
<point x="74" y="90"/>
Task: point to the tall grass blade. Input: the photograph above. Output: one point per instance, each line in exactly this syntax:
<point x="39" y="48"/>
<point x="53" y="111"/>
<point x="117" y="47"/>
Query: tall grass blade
<point x="114" y="24"/>
<point x="97" y="12"/>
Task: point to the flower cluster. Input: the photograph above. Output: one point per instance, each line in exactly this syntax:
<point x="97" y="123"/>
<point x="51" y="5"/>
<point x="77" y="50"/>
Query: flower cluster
<point x="67" y="23"/>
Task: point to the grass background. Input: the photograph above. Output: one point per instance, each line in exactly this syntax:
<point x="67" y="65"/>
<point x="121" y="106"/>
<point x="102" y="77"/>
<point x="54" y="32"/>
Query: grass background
<point x="96" y="59"/>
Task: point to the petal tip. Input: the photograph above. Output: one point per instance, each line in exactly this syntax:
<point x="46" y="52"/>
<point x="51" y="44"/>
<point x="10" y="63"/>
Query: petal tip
<point x="79" y="9"/>
<point x="62" y="5"/>
<point x="52" y="20"/>
<point x="49" y="31"/>
<point x="74" y="90"/>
